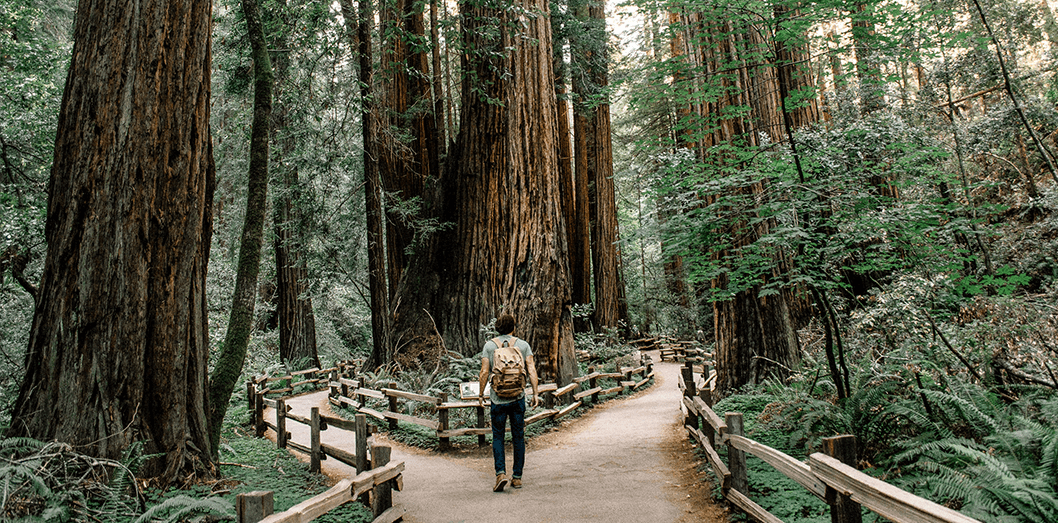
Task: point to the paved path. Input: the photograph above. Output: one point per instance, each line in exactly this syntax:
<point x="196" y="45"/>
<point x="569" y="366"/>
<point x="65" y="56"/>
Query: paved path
<point x="627" y="460"/>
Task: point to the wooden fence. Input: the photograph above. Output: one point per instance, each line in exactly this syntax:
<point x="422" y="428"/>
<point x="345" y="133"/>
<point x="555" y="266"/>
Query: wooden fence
<point x="558" y="401"/>
<point x="372" y="486"/>
<point x="672" y="349"/>
<point x="356" y="393"/>
<point x="830" y="476"/>
<point x="284" y="385"/>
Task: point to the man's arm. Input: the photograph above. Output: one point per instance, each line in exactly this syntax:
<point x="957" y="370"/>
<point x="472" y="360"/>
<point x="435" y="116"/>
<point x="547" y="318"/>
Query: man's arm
<point x="531" y="367"/>
<point x="483" y="379"/>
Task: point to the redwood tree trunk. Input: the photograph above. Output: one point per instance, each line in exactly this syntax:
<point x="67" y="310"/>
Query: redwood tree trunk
<point x="580" y="237"/>
<point x="755" y="337"/>
<point x="576" y="230"/>
<point x="119" y="346"/>
<point x="297" y="323"/>
<point x="507" y="249"/>
<point x="605" y="258"/>
<point x="408" y="130"/>
<point x="382" y="350"/>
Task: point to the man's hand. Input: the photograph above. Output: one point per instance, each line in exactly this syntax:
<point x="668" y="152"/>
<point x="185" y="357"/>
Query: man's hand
<point x="535" y="401"/>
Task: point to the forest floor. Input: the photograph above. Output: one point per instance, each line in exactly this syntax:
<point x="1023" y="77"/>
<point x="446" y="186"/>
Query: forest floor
<point x="628" y="459"/>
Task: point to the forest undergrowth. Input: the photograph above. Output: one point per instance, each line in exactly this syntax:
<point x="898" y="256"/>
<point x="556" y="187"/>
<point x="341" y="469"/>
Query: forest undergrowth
<point x="953" y="395"/>
<point x="53" y="482"/>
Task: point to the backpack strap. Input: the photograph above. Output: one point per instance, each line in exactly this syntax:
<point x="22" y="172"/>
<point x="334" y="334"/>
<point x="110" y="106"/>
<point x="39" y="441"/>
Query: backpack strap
<point x="513" y="342"/>
<point x="509" y="344"/>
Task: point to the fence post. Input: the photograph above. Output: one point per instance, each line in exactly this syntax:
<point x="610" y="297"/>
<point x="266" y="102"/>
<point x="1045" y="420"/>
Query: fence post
<point x="628" y="377"/>
<point x="689" y="391"/>
<point x="281" y="424"/>
<point x="381" y="495"/>
<point x="361" y="443"/>
<point x="591" y="385"/>
<point x="314" y="440"/>
<point x="392" y="407"/>
<point x="258" y="415"/>
<point x="362" y="459"/>
<point x="842" y="508"/>
<point x="249" y="394"/>
<point x="442" y="420"/>
<point x="736" y="459"/>
<point x="480" y="424"/>
<point x="707" y="396"/>
<point x="252" y="507"/>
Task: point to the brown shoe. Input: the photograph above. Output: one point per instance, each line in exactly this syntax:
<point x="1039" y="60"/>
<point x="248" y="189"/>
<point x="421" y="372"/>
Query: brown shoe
<point x="516" y="482"/>
<point x="501" y="481"/>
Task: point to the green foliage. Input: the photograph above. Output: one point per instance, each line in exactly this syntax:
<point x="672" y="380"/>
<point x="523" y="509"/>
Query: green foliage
<point x="184" y="508"/>
<point x="1003" y="466"/>
<point x="923" y="422"/>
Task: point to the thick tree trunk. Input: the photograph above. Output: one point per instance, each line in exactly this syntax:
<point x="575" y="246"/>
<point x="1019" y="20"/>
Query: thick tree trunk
<point x="580" y="239"/>
<point x="605" y="258"/>
<point x="240" y="321"/>
<point x="576" y="231"/>
<point x="407" y="131"/>
<point x="297" y="323"/>
<point x="755" y="337"/>
<point x="119" y="346"/>
<point x="382" y="348"/>
<point x="507" y="249"/>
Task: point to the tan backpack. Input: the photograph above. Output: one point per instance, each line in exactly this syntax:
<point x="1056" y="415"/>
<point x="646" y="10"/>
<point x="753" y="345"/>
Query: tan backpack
<point x="508" y="369"/>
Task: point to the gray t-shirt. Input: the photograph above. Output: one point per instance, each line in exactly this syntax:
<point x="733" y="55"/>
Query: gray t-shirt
<point x="490" y="350"/>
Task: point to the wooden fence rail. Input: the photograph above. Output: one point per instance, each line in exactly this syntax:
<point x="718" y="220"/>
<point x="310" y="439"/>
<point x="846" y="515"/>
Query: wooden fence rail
<point x="376" y="483"/>
<point x="318" y="378"/>
<point x="831" y="476"/>
<point x="558" y="401"/>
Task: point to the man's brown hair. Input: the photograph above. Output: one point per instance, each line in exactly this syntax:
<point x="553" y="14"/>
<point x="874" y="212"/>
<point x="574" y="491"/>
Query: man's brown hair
<point x="505" y="323"/>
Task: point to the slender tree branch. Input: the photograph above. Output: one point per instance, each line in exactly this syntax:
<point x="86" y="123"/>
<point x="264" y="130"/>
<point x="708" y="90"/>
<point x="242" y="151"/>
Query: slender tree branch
<point x="952" y="349"/>
<point x="1046" y="154"/>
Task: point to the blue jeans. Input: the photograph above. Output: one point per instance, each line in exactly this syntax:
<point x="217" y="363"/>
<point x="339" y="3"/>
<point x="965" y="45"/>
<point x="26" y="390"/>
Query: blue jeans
<point x="499" y="413"/>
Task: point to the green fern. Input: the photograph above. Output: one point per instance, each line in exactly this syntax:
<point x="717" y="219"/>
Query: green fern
<point x="11" y="446"/>
<point x="1003" y="471"/>
<point x="182" y="508"/>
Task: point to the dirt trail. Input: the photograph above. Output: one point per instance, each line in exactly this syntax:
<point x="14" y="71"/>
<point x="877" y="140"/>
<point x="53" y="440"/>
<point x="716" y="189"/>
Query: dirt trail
<point x="627" y="460"/>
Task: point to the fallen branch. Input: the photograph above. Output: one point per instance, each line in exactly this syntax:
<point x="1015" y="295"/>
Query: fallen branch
<point x="232" y="464"/>
<point x="1009" y="367"/>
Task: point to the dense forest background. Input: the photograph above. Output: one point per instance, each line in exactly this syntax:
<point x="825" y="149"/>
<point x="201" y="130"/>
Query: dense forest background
<point x="846" y="200"/>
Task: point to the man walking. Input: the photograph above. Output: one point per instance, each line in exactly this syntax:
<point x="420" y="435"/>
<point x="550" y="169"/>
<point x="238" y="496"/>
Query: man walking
<point x="505" y="361"/>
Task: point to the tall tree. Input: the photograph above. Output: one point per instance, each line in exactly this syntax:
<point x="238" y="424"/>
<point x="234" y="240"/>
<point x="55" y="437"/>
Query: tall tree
<point x="119" y="348"/>
<point x="240" y="322"/>
<point x="500" y="190"/>
<point x="744" y="103"/>
<point x="297" y="322"/>
<point x="610" y="307"/>
<point x="577" y="219"/>
<point x="382" y="345"/>
<point x="408" y="131"/>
